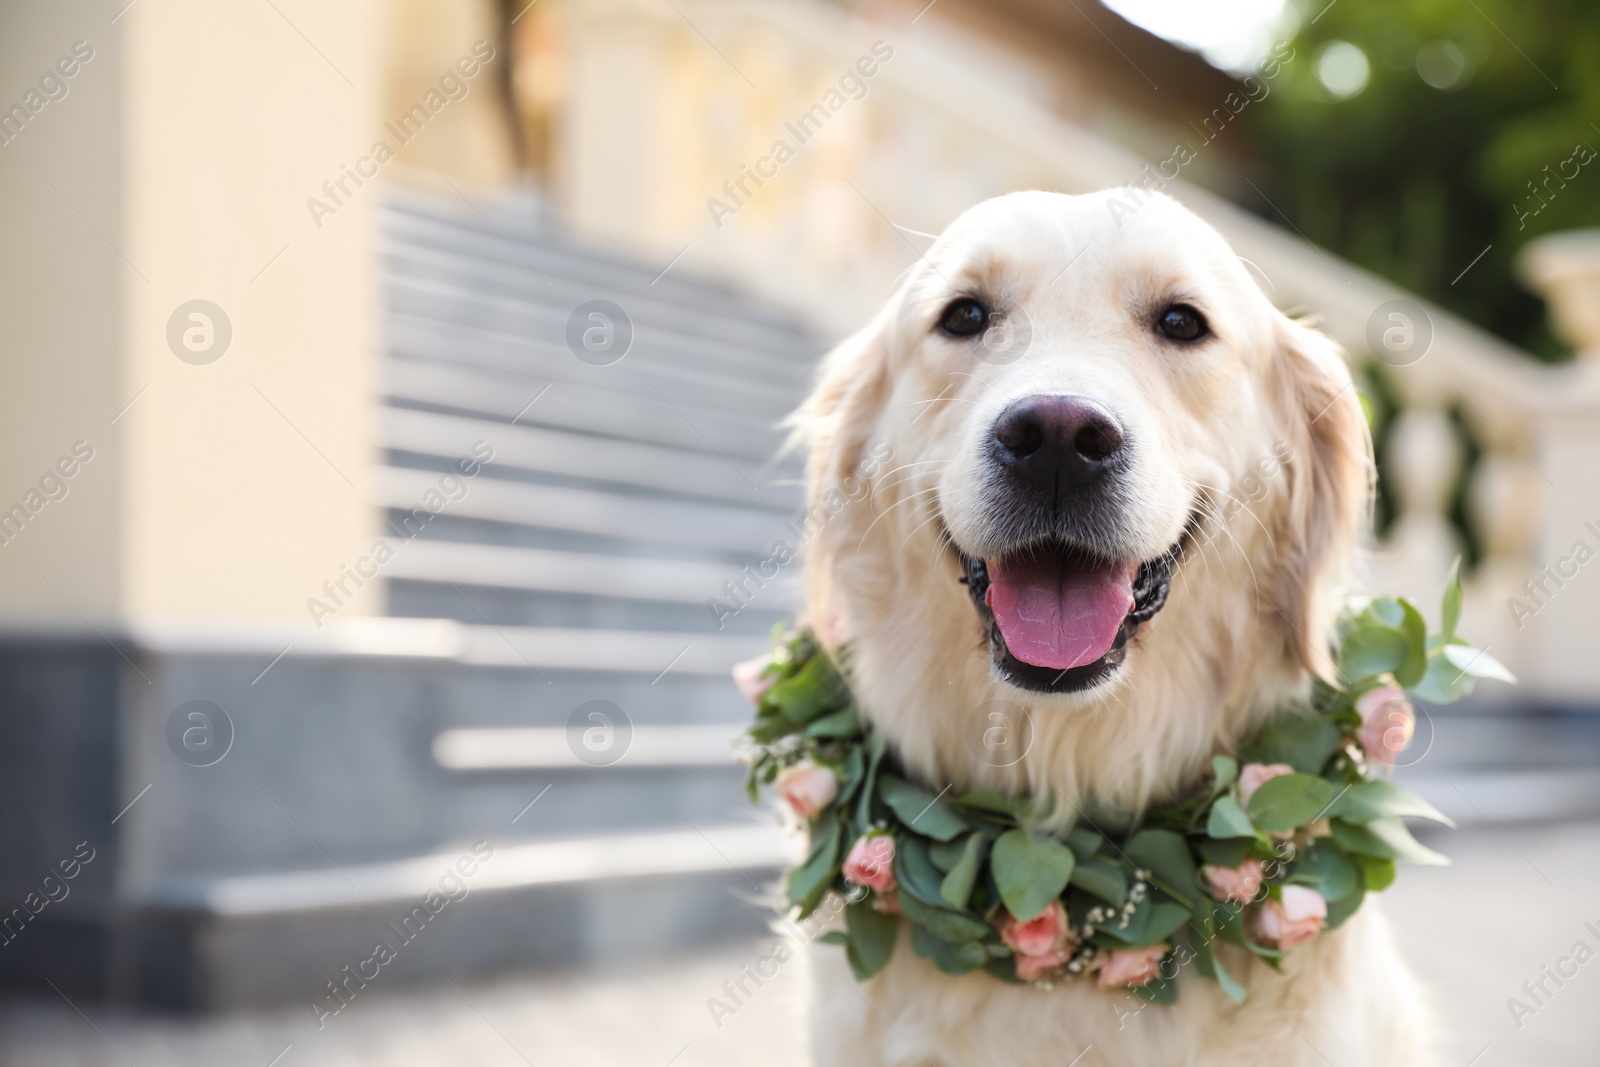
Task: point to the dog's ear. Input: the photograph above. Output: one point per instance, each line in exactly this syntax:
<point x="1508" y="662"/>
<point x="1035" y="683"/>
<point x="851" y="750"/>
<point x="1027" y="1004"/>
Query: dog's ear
<point x="837" y="422"/>
<point x="1328" y="466"/>
<point x="838" y="419"/>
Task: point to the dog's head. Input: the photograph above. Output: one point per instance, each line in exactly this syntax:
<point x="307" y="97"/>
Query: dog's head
<point x="1079" y="417"/>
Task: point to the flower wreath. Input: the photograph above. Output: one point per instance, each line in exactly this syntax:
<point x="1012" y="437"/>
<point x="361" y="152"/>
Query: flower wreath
<point x="1281" y="842"/>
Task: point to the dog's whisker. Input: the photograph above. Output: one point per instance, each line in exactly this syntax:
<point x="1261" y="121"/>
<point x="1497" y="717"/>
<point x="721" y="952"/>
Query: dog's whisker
<point x="919" y="526"/>
<point x="914" y="463"/>
<point x="887" y="512"/>
<point x="963" y="374"/>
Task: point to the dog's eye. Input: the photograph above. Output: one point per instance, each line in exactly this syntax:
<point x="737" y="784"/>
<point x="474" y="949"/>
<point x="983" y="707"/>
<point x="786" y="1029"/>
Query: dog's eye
<point x="963" y="318"/>
<point x="1182" y="323"/>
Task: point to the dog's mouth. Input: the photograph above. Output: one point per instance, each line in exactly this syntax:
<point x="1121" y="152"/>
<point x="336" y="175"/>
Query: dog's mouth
<point x="1059" y="617"/>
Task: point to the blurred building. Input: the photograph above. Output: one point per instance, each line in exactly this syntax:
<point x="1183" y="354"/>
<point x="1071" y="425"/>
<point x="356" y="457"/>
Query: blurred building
<point x="389" y="443"/>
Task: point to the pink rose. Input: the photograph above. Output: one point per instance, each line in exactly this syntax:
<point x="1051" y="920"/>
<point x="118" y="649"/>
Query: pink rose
<point x="1293" y="920"/>
<point x="1238" y="884"/>
<point x="1387" y="723"/>
<point x="807" y="789"/>
<point x="1253" y="776"/>
<point x="1032" y="968"/>
<point x="871" y="863"/>
<point x="1041" y="944"/>
<point x="752" y="680"/>
<point x="1129" y="966"/>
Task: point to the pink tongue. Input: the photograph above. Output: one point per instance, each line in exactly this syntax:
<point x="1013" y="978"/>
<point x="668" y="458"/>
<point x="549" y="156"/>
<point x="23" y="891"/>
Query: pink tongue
<point x="1058" y="613"/>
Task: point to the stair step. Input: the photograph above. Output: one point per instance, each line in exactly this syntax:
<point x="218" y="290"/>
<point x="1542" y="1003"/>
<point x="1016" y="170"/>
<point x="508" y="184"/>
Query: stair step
<point x="473" y="292"/>
<point x="505" y="394"/>
<point x="441" y="227"/>
<point x="550" y="748"/>
<point x="547" y="570"/>
<point x="746" y="530"/>
<point x="647" y="369"/>
<point x="579" y="455"/>
<point x="542" y="863"/>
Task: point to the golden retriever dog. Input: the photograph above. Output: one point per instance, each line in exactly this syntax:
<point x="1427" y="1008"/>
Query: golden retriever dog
<point x="1079" y="404"/>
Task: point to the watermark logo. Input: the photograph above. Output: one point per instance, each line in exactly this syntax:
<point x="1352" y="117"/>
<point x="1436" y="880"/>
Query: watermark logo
<point x="999" y="733"/>
<point x="199" y="332"/>
<point x="199" y="733"/>
<point x="1399" y="332"/>
<point x="1007" y="337"/>
<point x="599" y="333"/>
<point x="52" y="87"/>
<point x="53" y="485"/>
<point x="1552" y="578"/>
<point x="599" y="733"/>
<point x="1537" y="993"/>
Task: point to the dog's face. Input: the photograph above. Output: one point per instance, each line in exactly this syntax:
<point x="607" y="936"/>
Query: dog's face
<point x="1076" y="401"/>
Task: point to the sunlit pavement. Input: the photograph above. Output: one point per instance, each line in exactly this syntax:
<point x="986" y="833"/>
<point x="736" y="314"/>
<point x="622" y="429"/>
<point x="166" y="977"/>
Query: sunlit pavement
<point x="1511" y="905"/>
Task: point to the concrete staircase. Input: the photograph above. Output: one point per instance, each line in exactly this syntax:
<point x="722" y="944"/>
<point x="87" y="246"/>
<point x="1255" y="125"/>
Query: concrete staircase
<point x="549" y="681"/>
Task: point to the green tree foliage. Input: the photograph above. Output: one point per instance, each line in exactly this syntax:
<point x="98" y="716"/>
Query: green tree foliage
<point x="1466" y="134"/>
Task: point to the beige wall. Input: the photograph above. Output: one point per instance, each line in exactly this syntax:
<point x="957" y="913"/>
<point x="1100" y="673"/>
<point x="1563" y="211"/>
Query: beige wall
<point x="191" y="142"/>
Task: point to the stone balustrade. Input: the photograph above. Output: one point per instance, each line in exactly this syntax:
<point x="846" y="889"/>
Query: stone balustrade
<point x="829" y="229"/>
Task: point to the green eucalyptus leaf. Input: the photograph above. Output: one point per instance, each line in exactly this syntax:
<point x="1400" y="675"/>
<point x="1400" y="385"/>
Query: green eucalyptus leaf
<point x="872" y="937"/>
<point x="801" y="697"/>
<point x="1127" y="931"/>
<point x="1207" y="964"/>
<point x="1229" y="852"/>
<point x="990" y="801"/>
<point x="1451" y="609"/>
<point x="1166" y="856"/>
<point x="1229" y="820"/>
<point x="1290" y="801"/>
<point x="1005" y="969"/>
<point x="1300" y="737"/>
<point x="850" y="776"/>
<point x="1327" y="869"/>
<point x="956" y="889"/>
<point x="1166" y="919"/>
<point x="1377" y="874"/>
<point x="1443" y="682"/>
<point x="1084" y="842"/>
<point x="921" y="811"/>
<point x="1341" y="909"/>
<point x="1157" y="991"/>
<point x="876" y="746"/>
<point x="949" y="958"/>
<point x="1224" y="772"/>
<point x="1101" y="879"/>
<point x="811" y="879"/>
<point x="835" y="937"/>
<point x="946" y="854"/>
<point x="770" y="728"/>
<point x="1387" y="610"/>
<point x="915" y="871"/>
<point x="1385" y="838"/>
<point x="942" y="923"/>
<point x="1372" y="649"/>
<point x="1477" y="662"/>
<point x="1365" y="801"/>
<point x="1415" y="628"/>
<point x="1030" y="871"/>
<point x="841" y="723"/>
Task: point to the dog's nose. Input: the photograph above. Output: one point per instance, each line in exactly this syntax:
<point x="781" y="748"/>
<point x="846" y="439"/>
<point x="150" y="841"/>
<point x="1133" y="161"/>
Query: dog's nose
<point x="1057" y="440"/>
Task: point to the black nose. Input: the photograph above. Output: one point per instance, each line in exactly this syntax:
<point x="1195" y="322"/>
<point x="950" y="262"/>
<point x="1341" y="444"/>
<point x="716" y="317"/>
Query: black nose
<point x="1057" y="441"/>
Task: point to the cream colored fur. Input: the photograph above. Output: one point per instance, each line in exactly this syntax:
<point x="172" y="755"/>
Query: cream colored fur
<point x="1247" y="620"/>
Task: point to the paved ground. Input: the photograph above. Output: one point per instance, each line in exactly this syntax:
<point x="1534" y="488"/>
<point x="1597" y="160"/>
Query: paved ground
<point x="1511" y="905"/>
